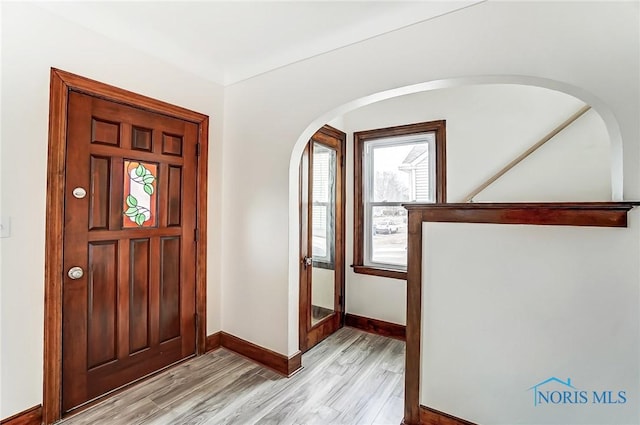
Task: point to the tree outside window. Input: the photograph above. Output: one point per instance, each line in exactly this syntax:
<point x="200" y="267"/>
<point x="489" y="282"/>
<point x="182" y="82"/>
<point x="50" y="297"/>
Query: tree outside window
<point x="394" y="166"/>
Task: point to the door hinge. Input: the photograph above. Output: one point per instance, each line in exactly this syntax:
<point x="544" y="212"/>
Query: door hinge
<point x="195" y="235"/>
<point x="195" y="320"/>
<point x="340" y="300"/>
<point x="197" y="149"/>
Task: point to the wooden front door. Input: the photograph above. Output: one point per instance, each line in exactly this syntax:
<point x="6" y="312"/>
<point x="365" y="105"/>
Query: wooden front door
<point x="129" y="252"/>
<point x="322" y="193"/>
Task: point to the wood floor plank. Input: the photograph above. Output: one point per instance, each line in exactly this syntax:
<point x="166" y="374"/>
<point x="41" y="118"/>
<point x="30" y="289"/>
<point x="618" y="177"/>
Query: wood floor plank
<point x="350" y="378"/>
<point x="390" y="410"/>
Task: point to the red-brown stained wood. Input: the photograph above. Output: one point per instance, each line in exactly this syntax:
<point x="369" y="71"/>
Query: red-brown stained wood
<point x="201" y="234"/>
<point x="141" y="139"/>
<point x="600" y="214"/>
<point x="304" y="305"/>
<point x="282" y="364"/>
<point x="105" y="132"/>
<point x="378" y="327"/>
<point x="213" y="341"/>
<point x="139" y="294"/>
<point x="171" y="144"/>
<point x="429" y="416"/>
<point x="102" y="299"/>
<point x="52" y="373"/>
<point x="100" y="190"/>
<point x="374" y="271"/>
<point x="109" y="137"/>
<point x="104" y="346"/>
<point x="174" y="195"/>
<point x="294" y="363"/>
<point x="310" y="335"/>
<point x="169" y="288"/>
<point x="414" y="319"/>
<point x="31" y="416"/>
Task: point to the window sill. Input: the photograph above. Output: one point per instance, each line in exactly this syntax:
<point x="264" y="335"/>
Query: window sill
<point x="374" y="271"/>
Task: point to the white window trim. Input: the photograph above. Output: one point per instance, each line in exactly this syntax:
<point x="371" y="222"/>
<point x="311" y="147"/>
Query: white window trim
<point x="368" y="179"/>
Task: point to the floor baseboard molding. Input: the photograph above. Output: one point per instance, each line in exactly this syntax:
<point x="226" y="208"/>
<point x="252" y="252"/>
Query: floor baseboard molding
<point x="213" y="342"/>
<point x="284" y="365"/>
<point x="429" y="416"/>
<point x="31" y="416"/>
<point x="378" y="327"/>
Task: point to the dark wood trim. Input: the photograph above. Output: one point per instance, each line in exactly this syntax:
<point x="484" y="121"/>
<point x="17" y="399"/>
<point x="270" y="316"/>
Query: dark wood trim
<point x="111" y="93"/>
<point x="429" y="416"/>
<point x="201" y="244"/>
<point x="359" y="140"/>
<point x="52" y="373"/>
<point x="294" y="363"/>
<point x="31" y="416"/>
<point x="284" y="365"/>
<point x="393" y="274"/>
<point x="304" y="212"/>
<point x="375" y="326"/>
<point x="603" y="214"/>
<point x="414" y="318"/>
<point x="213" y="341"/>
<point x="61" y="84"/>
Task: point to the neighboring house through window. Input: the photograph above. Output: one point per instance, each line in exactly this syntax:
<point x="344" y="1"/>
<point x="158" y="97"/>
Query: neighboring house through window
<point x="393" y="166"/>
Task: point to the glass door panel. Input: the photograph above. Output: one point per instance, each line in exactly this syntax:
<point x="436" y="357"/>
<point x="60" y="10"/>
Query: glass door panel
<point x="323" y="232"/>
<point x="322" y="194"/>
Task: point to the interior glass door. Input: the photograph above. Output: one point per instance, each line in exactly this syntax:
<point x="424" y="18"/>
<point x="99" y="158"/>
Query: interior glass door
<point x="321" y="237"/>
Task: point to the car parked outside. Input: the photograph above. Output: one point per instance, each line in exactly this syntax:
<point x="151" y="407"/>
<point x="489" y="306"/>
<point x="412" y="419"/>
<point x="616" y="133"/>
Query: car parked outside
<point x="385" y="227"/>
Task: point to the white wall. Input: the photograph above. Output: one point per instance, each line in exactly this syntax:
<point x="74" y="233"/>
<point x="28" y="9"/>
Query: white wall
<point x="1" y="212"/>
<point x="588" y="49"/>
<point x="517" y="305"/>
<point x="33" y="40"/>
<point x="487" y="127"/>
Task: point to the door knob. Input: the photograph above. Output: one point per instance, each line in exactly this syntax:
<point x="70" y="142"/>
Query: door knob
<point x="307" y="261"/>
<point x="75" y="272"/>
<point x="79" y="192"/>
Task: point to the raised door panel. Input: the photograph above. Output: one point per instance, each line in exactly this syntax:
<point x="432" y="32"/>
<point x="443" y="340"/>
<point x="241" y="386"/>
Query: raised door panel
<point x="169" y="288"/>
<point x="139" y="289"/>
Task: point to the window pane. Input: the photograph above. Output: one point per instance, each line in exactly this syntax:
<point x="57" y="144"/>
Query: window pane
<point x="319" y="231"/>
<point x="401" y="173"/>
<point x="140" y="180"/>
<point x="323" y="195"/>
<point x="389" y="235"/>
<point x="323" y="159"/>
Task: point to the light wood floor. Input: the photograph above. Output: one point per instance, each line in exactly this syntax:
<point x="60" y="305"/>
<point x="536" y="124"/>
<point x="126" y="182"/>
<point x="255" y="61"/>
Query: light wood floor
<point x="350" y="378"/>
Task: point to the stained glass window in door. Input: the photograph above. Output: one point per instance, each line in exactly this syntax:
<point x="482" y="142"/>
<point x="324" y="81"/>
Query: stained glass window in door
<point x="139" y="204"/>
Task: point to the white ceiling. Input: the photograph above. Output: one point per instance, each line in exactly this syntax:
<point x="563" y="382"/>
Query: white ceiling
<point x="229" y="41"/>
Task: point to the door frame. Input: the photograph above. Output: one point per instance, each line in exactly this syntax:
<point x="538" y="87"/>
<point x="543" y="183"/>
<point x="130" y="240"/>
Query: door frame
<point x="62" y="83"/>
<point x="326" y="131"/>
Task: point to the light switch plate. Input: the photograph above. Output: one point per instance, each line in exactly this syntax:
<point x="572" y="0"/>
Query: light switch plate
<point x="5" y="227"/>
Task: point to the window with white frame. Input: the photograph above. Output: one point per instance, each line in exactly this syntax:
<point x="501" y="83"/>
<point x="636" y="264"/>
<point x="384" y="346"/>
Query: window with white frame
<point x="394" y="166"/>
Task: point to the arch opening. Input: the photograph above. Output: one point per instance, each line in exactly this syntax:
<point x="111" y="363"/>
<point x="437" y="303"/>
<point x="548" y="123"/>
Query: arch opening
<point x="596" y="104"/>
